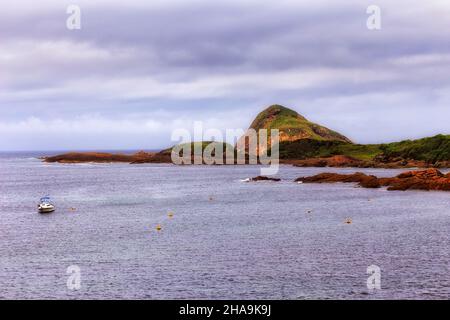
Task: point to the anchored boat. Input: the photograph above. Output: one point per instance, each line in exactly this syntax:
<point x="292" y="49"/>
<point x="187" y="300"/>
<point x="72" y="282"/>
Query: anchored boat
<point x="46" y="206"/>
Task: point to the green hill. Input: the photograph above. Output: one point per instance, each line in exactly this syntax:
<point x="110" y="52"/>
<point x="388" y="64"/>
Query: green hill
<point x="293" y="126"/>
<point x="202" y="144"/>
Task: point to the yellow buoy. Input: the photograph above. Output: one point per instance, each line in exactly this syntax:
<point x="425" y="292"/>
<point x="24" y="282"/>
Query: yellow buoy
<point x="170" y="214"/>
<point x="158" y="227"/>
<point x="348" y="221"/>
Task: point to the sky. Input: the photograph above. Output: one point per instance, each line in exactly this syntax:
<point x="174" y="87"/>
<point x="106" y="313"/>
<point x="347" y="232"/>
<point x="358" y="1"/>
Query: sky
<point x="137" y="70"/>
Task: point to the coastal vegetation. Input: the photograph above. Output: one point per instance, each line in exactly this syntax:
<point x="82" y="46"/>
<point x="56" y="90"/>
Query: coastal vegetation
<point x="432" y="151"/>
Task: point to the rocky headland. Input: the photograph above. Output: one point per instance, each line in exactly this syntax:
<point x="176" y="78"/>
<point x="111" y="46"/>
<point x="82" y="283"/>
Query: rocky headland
<point x="102" y="157"/>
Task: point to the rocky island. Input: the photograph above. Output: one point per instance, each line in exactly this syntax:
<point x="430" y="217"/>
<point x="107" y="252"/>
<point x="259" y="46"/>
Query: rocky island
<point x="307" y="144"/>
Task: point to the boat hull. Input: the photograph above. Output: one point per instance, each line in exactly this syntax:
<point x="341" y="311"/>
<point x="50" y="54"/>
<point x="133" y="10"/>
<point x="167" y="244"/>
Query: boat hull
<point x="46" y="209"/>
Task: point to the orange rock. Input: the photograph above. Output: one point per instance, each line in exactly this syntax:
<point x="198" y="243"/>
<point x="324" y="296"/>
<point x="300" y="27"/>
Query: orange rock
<point x="430" y="179"/>
<point x="334" y="161"/>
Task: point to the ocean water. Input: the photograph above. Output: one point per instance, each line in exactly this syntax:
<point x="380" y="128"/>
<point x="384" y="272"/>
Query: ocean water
<point x="227" y="239"/>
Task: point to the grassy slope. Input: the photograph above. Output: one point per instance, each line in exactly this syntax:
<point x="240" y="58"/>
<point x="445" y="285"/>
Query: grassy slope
<point x="204" y="144"/>
<point x="289" y="121"/>
<point x="431" y="149"/>
<point x="358" y="151"/>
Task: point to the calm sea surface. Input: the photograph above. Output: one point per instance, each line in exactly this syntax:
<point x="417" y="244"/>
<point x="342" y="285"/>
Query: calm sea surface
<point x="227" y="239"/>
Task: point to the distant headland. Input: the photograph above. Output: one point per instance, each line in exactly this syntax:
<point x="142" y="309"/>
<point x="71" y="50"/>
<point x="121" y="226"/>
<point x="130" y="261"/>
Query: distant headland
<point x="307" y="144"/>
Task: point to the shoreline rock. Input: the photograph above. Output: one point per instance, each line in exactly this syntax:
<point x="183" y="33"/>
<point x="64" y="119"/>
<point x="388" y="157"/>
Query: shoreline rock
<point x="263" y="178"/>
<point x="430" y="179"/>
<point x="338" y="161"/>
<point x="341" y="161"/>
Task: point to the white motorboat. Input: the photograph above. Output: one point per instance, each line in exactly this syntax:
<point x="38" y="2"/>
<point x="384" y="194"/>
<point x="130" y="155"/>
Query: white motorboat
<point x="46" y="206"/>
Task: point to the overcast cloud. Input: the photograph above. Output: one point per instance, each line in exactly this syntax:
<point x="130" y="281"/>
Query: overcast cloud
<point x="139" y="69"/>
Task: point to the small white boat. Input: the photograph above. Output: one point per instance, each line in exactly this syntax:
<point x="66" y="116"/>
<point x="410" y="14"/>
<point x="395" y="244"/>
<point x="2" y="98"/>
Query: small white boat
<point x="46" y="206"/>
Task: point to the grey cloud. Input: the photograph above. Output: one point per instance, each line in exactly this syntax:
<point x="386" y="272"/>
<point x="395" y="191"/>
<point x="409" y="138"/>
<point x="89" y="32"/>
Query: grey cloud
<point x="194" y="59"/>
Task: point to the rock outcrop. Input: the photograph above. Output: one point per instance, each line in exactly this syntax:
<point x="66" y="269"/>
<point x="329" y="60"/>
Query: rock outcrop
<point x="430" y="179"/>
<point x="334" y="161"/>
<point x="264" y="178"/>
<point x="341" y="161"/>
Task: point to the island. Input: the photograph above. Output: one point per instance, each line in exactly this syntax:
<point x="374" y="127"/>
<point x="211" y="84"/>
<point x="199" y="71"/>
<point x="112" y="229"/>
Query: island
<point x="306" y="144"/>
